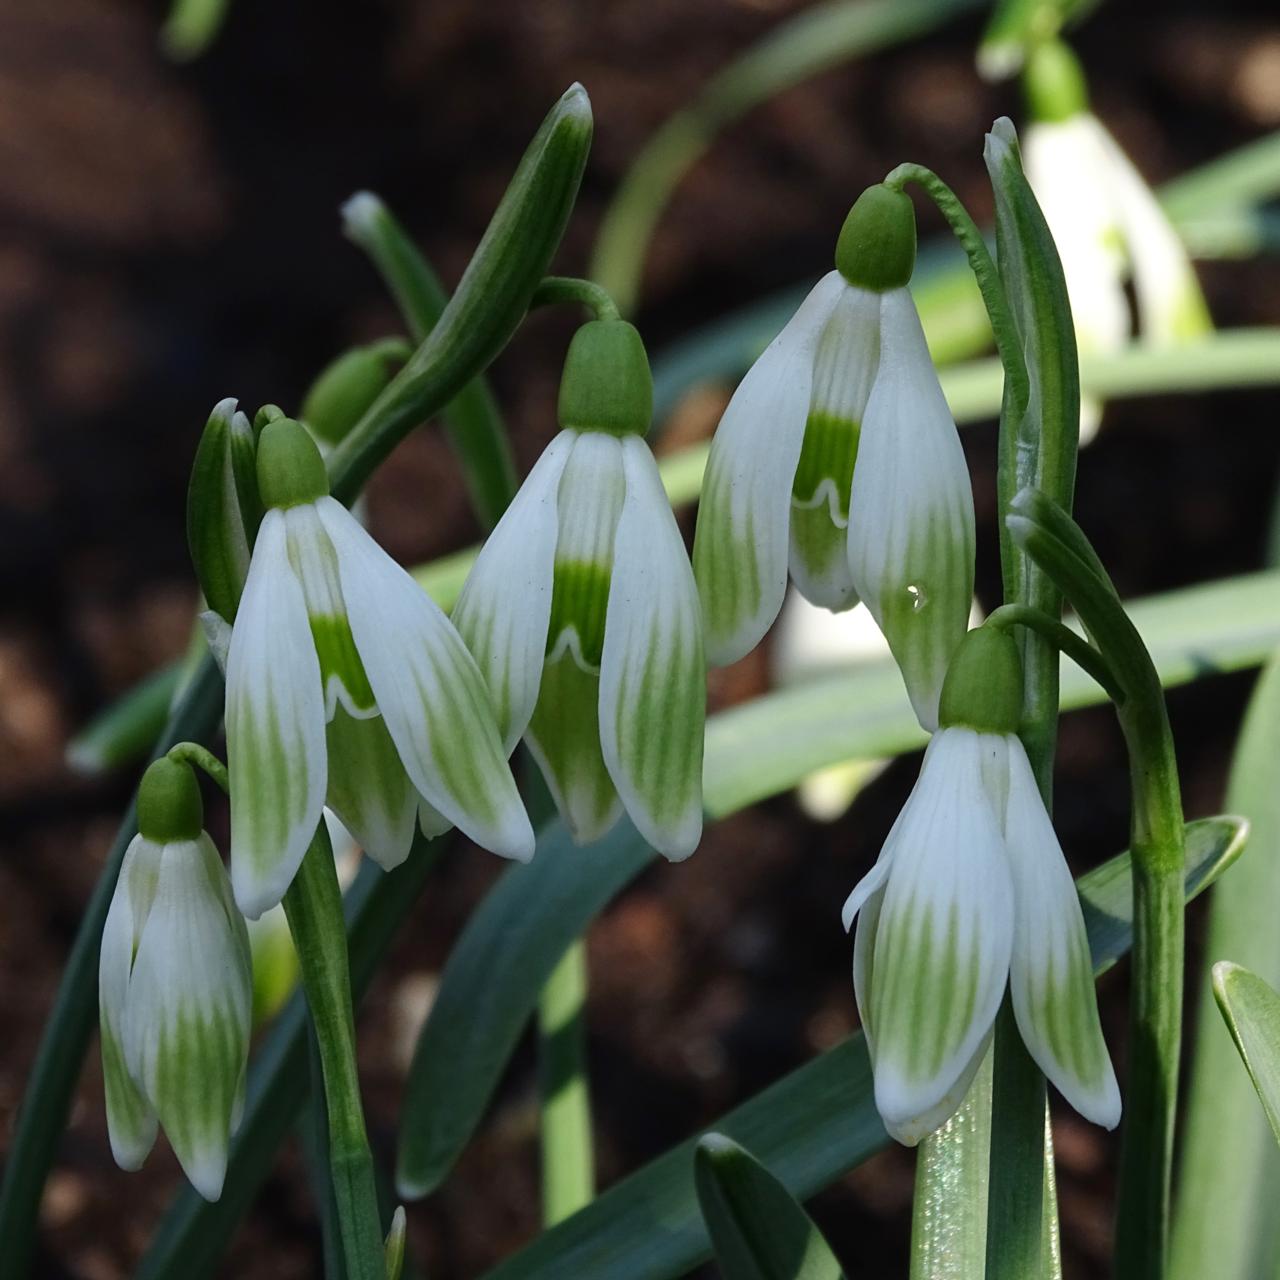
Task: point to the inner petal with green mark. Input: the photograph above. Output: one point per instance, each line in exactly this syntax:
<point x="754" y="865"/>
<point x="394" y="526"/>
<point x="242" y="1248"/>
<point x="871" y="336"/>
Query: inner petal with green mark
<point x="589" y="505"/>
<point x="314" y="560"/>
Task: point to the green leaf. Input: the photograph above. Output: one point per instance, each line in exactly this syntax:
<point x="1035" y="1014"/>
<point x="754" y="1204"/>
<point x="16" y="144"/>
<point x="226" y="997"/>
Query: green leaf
<point x="1251" y="1010"/>
<point x="757" y="1229"/>
<point x="809" y="1128"/>
<point x="127" y="730"/>
<point x="1226" y="1225"/>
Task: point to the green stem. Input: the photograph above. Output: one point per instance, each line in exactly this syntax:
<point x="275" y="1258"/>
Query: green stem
<point x="313" y="1130"/>
<point x="557" y="289"/>
<point x="193" y="753"/>
<point x="313" y="905"/>
<point x="568" y="1162"/>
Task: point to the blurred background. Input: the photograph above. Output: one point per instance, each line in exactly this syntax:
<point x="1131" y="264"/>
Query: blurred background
<point x="169" y="235"/>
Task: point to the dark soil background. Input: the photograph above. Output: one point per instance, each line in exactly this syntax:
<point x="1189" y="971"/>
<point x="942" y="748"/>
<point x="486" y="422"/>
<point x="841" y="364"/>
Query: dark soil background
<point x="169" y="236"/>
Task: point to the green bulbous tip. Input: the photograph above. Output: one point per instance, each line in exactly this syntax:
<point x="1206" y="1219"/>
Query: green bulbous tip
<point x="983" y="688"/>
<point x="347" y="387"/>
<point x="607" y="385"/>
<point x="1053" y="83"/>
<point x="169" y="803"/>
<point x="290" y="469"/>
<point x="877" y="245"/>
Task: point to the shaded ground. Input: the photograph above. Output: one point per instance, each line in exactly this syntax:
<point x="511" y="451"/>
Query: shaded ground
<point x="169" y="236"/>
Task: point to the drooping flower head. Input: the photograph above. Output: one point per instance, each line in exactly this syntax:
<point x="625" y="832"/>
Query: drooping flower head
<point x="346" y="684"/>
<point x="838" y="459"/>
<point x="971" y="893"/>
<point x="583" y="615"/>
<point x="1106" y="221"/>
<point x="174" y="988"/>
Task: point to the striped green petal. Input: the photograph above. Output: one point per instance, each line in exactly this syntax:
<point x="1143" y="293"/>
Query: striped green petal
<point x="275" y="727"/>
<point x="505" y="606"/>
<point x="131" y="1124"/>
<point x="190" y="1001"/>
<point x="564" y="737"/>
<point x="653" y="676"/>
<point x="942" y="941"/>
<point x="369" y="789"/>
<point x="740" y="548"/>
<point x="1051" y="975"/>
<point x="911" y="527"/>
<point x="431" y="694"/>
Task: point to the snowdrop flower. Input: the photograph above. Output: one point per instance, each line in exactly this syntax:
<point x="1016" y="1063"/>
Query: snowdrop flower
<point x="174" y="988"/>
<point x="583" y="614"/>
<point x="849" y="380"/>
<point x="971" y="893"/>
<point x="1105" y="220"/>
<point x="346" y="684"/>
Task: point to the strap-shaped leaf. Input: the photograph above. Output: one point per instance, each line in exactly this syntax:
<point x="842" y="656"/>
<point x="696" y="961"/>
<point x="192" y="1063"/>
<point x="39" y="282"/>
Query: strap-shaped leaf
<point x="811" y="1127"/>
<point x="1251" y="1010"/>
<point x="757" y="1229"/>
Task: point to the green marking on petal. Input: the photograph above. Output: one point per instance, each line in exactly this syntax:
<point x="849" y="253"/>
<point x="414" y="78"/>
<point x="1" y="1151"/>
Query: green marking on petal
<point x="564" y="735"/>
<point x="827" y="459"/>
<point x="336" y="650"/>
<point x="725" y="562"/>
<point x="129" y="1119"/>
<point x="579" y="601"/>
<point x="268" y="788"/>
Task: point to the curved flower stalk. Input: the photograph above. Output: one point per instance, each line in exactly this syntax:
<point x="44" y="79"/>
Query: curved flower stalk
<point x="1106" y="222"/>
<point x="839" y="460"/>
<point x="582" y="611"/>
<point x="175" y="989"/>
<point x="347" y="685"/>
<point x="971" y="893"/>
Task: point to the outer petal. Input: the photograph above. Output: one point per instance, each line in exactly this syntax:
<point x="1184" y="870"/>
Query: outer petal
<point x="430" y="692"/>
<point x="131" y="1124"/>
<point x="187" y="1035"/>
<point x="740" y="550"/>
<point x="943" y="940"/>
<point x="1171" y="306"/>
<point x="1051" y="977"/>
<point x="369" y="789"/>
<point x="653" y="676"/>
<point x="275" y="727"/>
<point x="503" y="611"/>
<point x="911" y="528"/>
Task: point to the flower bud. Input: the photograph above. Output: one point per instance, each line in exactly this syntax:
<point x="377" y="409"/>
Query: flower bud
<point x="346" y="388"/>
<point x="223" y="508"/>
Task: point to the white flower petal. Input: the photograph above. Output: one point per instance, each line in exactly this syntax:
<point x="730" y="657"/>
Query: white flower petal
<point x="275" y="727"/>
<point x="943" y="938"/>
<point x="911" y="1132"/>
<point x="653" y="676"/>
<point x="911" y="526"/>
<point x="741" y="548"/>
<point x="190" y="1000"/>
<point x="504" y="608"/>
<point x="1171" y="306"/>
<point x="430" y="692"/>
<point x="1051" y="976"/>
<point x="369" y="789"/>
<point x="131" y="1124"/>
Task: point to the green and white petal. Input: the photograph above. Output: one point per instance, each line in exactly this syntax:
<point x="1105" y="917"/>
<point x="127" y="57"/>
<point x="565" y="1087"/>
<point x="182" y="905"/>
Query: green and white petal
<point x="653" y="676"/>
<point x="369" y="790"/>
<point x="275" y="727"/>
<point x="1051" y="973"/>
<point x="430" y="692"/>
<point x="315" y="562"/>
<point x="131" y="1124"/>
<point x="187" y="1032"/>
<point x="942" y="942"/>
<point x="844" y="371"/>
<point x="1171" y="306"/>
<point x="505" y="606"/>
<point x="564" y="737"/>
<point x="911" y="527"/>
<point x="740" y="549"/>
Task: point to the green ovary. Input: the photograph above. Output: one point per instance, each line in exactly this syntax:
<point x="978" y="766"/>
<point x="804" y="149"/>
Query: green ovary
<point x="580" y="600"/>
